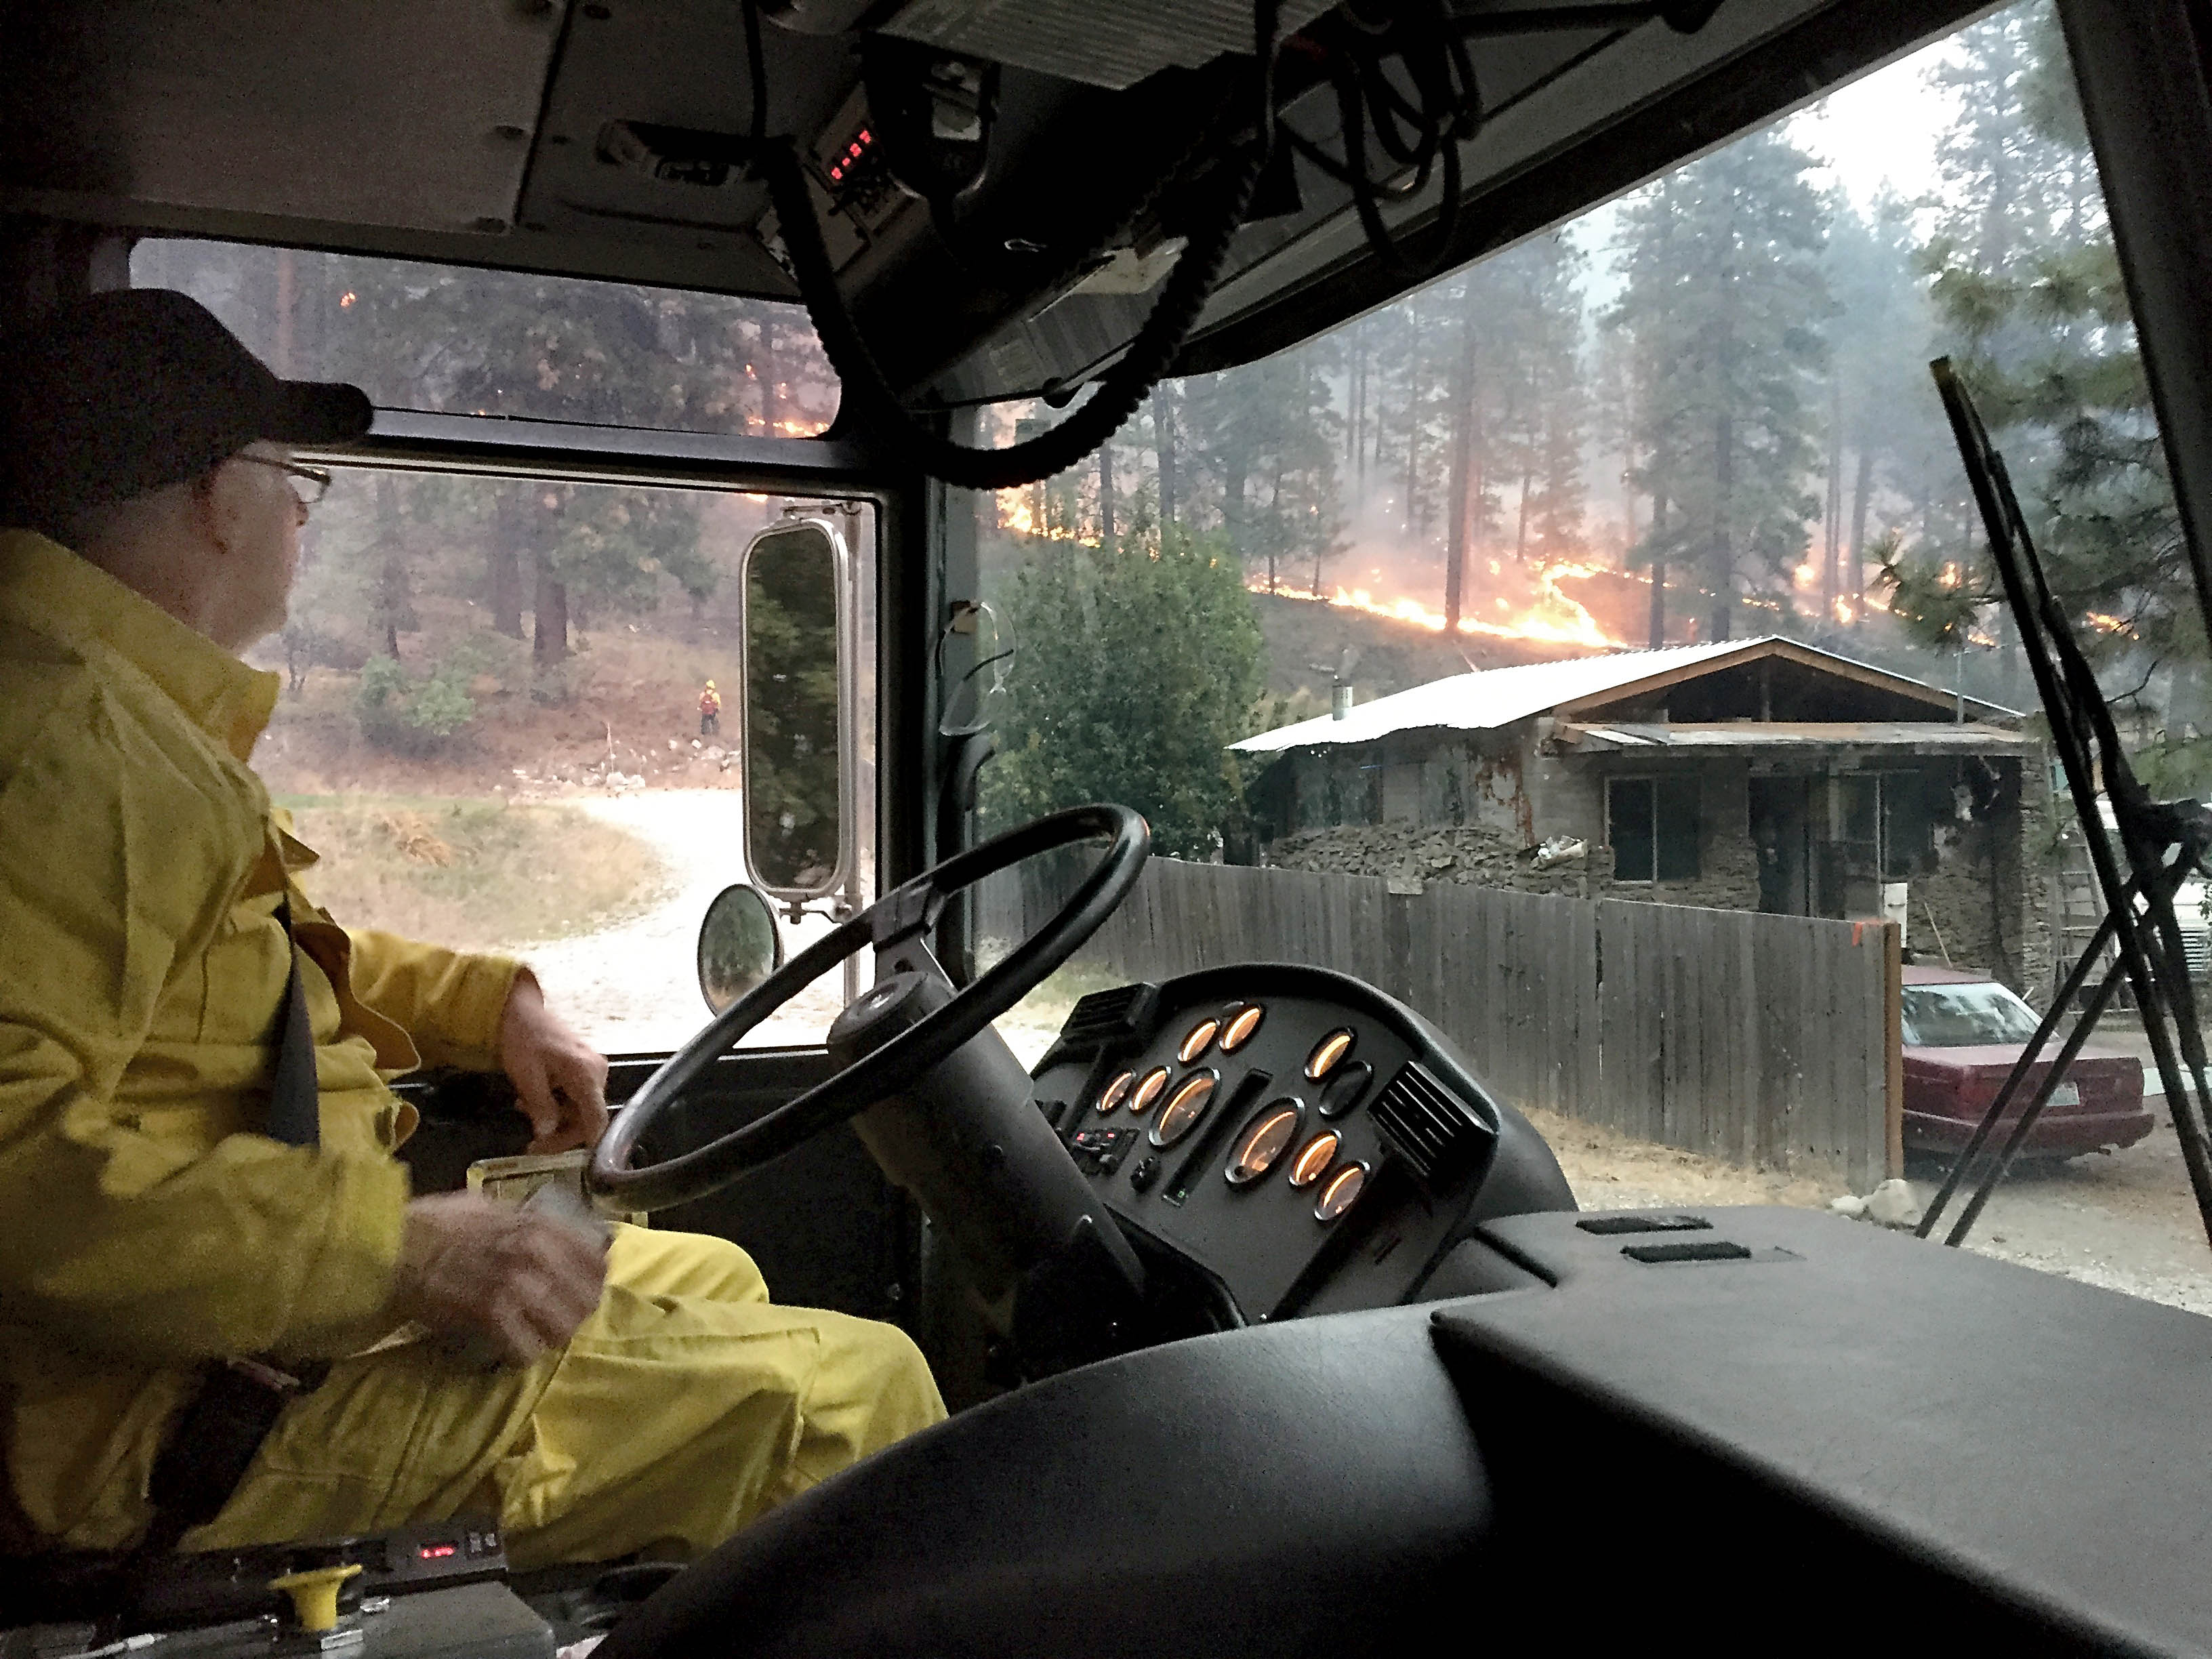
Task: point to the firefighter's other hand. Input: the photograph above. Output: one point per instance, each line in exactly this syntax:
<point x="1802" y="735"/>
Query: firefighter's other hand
<point x="494" y="1277"/>
<point x="560" y="1080"/>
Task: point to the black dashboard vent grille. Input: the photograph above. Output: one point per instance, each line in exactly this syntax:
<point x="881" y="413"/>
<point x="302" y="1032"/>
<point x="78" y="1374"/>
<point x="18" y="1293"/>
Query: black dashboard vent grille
<point x="1105" y="1017"/>
<point x="1438" y="1134"/>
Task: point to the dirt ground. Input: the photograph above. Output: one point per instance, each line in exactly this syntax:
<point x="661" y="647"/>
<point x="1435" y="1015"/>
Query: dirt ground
<point x="632" y="710"/>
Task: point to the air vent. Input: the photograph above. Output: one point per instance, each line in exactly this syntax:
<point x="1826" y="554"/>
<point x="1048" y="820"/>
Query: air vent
<point x="1438" y="1134"/>
<point x="1644" y="1224"/>
<point x="1104" y="1018"/>
<point x="1705" y="1249"/>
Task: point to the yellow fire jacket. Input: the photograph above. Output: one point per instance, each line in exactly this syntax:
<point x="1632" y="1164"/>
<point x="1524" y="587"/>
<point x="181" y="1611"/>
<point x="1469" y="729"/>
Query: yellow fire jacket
<point x="145" y="1226"/>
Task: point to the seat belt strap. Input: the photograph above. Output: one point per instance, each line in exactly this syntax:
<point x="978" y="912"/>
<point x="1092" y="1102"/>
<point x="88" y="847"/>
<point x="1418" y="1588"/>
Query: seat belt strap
<point x="294" y="1100"/>
<point x="216" y="1436"/>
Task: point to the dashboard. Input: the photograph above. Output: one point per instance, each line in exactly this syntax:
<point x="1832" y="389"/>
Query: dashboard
<point x="1303" y="1141"/>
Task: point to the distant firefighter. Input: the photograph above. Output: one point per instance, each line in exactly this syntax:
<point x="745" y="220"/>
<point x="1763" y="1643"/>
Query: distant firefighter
<point x="710" y="712"/>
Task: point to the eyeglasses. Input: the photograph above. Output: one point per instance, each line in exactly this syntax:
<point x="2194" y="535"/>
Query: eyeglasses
<point x="308" y="483"/>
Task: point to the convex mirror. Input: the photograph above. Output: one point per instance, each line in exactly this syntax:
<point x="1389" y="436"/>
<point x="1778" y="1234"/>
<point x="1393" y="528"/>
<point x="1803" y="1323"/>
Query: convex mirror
<point x="795" y="746"/>
<point x="739" y="946"/>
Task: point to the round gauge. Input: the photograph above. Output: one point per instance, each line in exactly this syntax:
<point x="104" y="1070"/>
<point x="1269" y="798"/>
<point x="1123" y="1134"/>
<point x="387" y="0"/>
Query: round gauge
<point x="1185" y="1107"/>
<point x="1148" y="1089"/>
<point x="1115" y="1093"/>
<point x="1197" y="1040"/>
<point x="1315" y="1156"/>
<point x="1328" y="1053"/>
<point x="1262" y="1141"/>
<point x="1237" y="1029"/>
<point x="1345" y="1088"/>
<point x="1344" y="1186"/>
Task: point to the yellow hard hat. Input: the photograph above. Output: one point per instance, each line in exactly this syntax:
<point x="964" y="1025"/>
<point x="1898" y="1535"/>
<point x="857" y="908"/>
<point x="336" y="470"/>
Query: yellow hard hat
<point x="710" y="686"/>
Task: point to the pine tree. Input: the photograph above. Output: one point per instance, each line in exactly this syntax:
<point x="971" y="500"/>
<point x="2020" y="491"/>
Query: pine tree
<point x="1723" y="303"/>
<point x="2029" y="292"/>
<point x="1890" y="459"/>
<point x="1085" y="723"/>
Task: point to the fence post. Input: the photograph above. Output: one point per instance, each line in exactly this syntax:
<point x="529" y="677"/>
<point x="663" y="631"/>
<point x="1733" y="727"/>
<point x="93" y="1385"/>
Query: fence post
<point x="1892" y="1042"/>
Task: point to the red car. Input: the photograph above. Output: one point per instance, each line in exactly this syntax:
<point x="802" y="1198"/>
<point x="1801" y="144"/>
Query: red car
<point x="1962" y="1033"/>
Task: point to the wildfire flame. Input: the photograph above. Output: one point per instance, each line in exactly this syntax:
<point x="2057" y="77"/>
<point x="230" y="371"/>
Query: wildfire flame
<point x="788" y="427"/>
<point x="1554" y="618"/>
<point x="1017" y="518"/>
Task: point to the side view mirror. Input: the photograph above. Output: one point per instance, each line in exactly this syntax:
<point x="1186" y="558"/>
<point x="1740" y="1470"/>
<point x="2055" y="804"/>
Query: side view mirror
<point x="739" y="946"/>
<point x="798" y="753"/>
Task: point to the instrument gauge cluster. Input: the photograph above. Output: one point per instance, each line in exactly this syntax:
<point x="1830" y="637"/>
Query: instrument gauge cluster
<point x="1270" y="1155"/>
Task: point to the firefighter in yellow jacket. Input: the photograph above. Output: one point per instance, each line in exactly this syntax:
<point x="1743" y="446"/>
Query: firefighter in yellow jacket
<point x="652" y="1397"/>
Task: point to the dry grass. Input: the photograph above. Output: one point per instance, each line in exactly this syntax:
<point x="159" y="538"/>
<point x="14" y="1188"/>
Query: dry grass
<point x="1610" y="1171"/>
<point x="477" y="875"/>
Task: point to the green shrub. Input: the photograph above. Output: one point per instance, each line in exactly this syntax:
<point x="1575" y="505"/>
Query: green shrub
<point x="409" y="716"/>
<point x="441" y="705"/>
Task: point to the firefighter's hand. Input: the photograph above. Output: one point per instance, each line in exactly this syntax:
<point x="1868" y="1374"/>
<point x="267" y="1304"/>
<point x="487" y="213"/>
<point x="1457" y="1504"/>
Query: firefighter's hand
<point x="560" y="1080"/>
<point x="490" y="1276"/>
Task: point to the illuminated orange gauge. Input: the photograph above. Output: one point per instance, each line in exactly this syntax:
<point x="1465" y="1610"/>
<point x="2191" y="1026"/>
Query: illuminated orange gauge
<point x="1343" y="1189"/>
<point x="1240" y="1026"/>
<point x="1262" y="1141"/>
<point x="1327" y="1053"/>
<point x="1115" y="1093"/>
<point x="1148" y="1089"/>
<point x="1185" y="1107"/>
<point x="1315" y="1156"/>
<point x="1198" y="1041"/>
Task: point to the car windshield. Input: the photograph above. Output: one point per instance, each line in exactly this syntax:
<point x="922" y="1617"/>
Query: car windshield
<point x="1955" y="1016"/>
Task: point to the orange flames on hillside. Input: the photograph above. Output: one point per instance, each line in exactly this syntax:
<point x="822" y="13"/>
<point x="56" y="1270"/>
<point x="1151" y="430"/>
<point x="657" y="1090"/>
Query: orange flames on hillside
<point x="1545" y="615"/>
<point x="1550" y="617"/>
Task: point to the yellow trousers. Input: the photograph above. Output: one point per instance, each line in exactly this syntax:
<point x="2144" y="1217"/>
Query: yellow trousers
<point x="687" y="1405"/>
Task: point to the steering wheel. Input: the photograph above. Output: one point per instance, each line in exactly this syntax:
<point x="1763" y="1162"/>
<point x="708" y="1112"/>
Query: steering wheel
<point x="897" y="924"/>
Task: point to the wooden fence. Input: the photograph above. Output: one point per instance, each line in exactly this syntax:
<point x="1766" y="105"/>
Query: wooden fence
<point x="1769" y="1041"/>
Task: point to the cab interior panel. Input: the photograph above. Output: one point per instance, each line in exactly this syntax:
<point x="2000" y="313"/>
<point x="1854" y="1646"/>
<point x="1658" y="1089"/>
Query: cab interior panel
<point x="1267" y="1325"/>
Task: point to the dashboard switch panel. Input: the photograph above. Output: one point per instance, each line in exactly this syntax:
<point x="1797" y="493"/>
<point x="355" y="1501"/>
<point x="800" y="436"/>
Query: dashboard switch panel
<point x="1436" y="1133"/>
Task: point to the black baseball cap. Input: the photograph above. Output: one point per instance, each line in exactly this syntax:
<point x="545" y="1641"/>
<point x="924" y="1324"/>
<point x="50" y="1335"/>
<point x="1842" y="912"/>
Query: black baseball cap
<point x="111" y="395"/>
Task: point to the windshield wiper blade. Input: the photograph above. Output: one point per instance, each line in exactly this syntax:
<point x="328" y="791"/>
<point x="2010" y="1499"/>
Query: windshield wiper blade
<point x="2164" y="842"/>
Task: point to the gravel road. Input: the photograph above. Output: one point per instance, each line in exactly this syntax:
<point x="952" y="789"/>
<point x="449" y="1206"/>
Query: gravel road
<point x="635" y="988"/>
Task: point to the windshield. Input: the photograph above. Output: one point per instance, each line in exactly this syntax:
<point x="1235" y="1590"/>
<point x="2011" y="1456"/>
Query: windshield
<point x="1957" y="1016"/>
<point x="1688" y="422"/>
<point x="458" y="340"/>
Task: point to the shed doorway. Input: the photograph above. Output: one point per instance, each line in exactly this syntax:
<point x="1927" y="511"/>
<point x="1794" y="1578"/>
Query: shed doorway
<point x="1782" y="835"/>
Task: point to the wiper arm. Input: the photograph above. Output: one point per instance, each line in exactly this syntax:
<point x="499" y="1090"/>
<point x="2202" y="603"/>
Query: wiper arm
<point x="2163" y="842"/>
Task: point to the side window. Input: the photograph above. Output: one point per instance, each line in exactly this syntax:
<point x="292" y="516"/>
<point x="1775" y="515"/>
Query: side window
<point x="496" y="729"/>
<point x="520" y="344"/>
<point x="1676" y="828"/>
<point x="1629" y="812"/>
<point x="1653" y="825"/>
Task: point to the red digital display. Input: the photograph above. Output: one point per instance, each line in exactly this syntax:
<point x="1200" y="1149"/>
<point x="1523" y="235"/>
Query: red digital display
<point x="437" y="1551"/>
<point x="853" y="152"/>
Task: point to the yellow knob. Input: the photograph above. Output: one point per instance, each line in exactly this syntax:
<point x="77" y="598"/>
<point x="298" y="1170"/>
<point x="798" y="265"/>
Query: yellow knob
<point x="315" y="1594"/>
